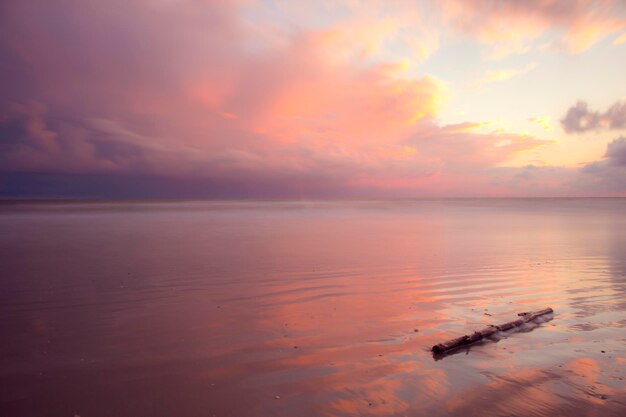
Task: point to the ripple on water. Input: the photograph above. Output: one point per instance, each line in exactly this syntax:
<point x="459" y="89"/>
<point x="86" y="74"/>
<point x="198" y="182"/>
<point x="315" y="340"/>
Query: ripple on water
<point x="219" y="308"/>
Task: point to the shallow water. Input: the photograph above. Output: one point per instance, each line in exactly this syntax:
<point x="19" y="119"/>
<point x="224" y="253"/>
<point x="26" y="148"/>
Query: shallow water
<point x="311" y="308"/>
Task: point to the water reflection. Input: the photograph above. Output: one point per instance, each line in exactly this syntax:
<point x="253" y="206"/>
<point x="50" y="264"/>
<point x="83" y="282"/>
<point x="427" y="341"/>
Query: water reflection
<point x="310" y="308"/>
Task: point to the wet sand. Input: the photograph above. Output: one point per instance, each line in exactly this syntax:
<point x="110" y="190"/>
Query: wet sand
<point x="311" y="308"/>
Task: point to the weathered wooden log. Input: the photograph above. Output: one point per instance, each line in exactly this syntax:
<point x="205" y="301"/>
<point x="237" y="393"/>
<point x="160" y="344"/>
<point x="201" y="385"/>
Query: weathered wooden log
<point x="488" y="331"/>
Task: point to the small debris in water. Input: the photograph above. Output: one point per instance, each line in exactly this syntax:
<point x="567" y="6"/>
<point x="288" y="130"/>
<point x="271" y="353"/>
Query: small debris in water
<point x="277" y="397"/>
<point x="295" y="347"/>
<point x="416" y="330"/>
<point x="602" y="351"/>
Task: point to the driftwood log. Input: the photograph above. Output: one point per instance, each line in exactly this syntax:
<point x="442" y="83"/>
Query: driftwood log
<point x="487" y="331"/>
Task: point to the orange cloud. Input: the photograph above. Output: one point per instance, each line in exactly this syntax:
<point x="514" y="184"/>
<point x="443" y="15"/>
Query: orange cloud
<point x="512" y="27"/>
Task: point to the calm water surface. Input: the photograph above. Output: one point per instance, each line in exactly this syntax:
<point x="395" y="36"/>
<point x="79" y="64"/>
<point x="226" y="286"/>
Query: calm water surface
<point x="311" y="308"/>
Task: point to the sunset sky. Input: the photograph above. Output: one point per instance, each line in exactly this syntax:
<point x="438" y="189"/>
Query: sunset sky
<point x="303" y="99"/>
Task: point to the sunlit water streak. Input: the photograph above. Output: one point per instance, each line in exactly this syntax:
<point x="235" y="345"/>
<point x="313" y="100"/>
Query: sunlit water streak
<point x="311" y="308"/>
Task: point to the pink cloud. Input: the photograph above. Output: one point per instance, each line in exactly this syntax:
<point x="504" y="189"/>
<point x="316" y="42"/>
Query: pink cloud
<point x="191" y="93"/>
<point x="511" y="26"/>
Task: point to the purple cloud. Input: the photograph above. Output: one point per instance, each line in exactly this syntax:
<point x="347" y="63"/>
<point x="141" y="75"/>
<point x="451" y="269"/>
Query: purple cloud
<point x="616" y="152"/>
<point x="609" y="173"/>
<point x="580" y="119"/>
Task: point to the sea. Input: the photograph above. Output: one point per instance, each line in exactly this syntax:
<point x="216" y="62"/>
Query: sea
<point x="311" y="308"/>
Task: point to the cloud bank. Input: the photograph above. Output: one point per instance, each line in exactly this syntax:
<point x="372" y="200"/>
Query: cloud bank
<point x="609" y="173"/>
<point x="211" y="99"/>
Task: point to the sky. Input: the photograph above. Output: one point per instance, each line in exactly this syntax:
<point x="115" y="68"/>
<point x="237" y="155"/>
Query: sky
<point x="312" y="99"/>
